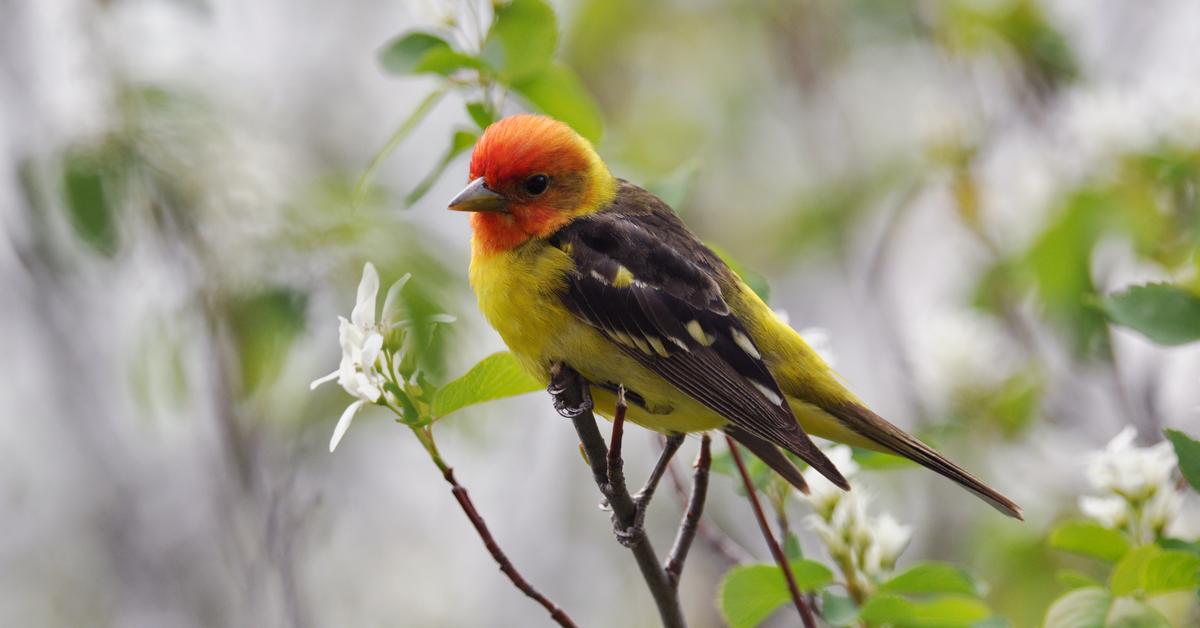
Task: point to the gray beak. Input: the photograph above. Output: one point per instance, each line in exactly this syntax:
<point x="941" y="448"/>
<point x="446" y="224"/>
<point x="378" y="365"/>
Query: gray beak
<point x="476" y="197"/>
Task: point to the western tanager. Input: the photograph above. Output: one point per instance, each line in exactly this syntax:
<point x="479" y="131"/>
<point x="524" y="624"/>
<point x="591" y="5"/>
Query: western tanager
<point x="571" y="264"/>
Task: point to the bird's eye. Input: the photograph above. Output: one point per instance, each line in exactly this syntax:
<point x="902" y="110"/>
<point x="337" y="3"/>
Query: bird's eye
<point x="537" y="184"/>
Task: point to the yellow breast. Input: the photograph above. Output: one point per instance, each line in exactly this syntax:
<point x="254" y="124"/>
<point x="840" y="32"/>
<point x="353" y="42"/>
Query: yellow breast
<point x="518" y="294"/>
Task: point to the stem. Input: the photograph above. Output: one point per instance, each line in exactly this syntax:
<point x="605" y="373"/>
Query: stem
<point x="643" y="497"/>
<point x="398" y="136"/>
<point x="425" y="437"/>
<point x="805" y="613"/>
<point x="717" y="539"/>
<point x="573" y="400"/>
<point x="464" y="500"/>
<point x="691" y="518"/>
<point x="846" y="564"/>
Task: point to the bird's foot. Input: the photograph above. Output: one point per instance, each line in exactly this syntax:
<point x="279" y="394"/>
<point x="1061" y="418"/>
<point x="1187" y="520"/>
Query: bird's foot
<point x="568" y="391"/>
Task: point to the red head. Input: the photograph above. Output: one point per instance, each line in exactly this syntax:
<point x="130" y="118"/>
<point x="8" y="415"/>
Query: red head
<point x="530" y="175"/>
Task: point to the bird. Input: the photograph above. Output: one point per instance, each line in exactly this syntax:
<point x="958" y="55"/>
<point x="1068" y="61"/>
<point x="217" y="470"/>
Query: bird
<point x="573" y="265"/>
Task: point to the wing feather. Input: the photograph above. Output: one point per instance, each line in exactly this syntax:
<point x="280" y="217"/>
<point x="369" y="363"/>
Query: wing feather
<point x="652" y="289"/>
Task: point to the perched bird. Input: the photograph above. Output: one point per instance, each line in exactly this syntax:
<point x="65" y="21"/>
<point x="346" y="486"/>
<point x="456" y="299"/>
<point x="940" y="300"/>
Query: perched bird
<point x="571" y="264"/>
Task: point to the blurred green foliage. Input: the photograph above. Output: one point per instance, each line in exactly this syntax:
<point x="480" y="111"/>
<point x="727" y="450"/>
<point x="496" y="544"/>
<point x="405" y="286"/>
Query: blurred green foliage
<point x="515" y="56"/>
<point x="263" y="326"/>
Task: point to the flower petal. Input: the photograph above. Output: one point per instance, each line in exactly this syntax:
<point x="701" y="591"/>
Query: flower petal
<point x="370" y="349"/>
<point x="343" y="423"/>
<point x="321" y="380"/>
<point x="363" y="315"/>
<point x="391" y="303"/>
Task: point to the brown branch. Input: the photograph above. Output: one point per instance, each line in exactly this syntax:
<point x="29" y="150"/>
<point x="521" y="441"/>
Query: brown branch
<point x="573" y="400"/>
<point x="616" y="463"/>
<point x="717" y="539"/>
<point x="691" y="518"/>
<point x="460" y="493"/>
<point x="805" y="613"/>
<point x="643" y="497"/>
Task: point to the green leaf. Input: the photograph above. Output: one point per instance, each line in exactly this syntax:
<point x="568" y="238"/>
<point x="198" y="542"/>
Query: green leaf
<point x="1150" y="570"/>
<point x="557" y="92"/>
<point x="931" y="577"/>
<point x="403" y="54"/>
<point x="1072" y="579"/>
<point x="791" y="546"/>
<point x="88" y="180"/>
<point x="480" y="113"/>
<point x="1060" y="266"/>
<point x="1172" y="570"/>
<point x="495" y="377"/>
<point x="1188" y="452"/>
<point x="522" y="39"/>
<point x="1162" y="312"/>
<point x="1090" y="539"/>
<point x="750" y="593"/>
<point x="460" y="142"/>
<point x="1130" y="613"/>
<point x="446" y="62"/>
<point x="869" y="460"/>
<point x="264" y="326"/>
<point x="885" y="608"/>
<point x="1180" y="544"/>
<point x="1130" y="573"/>
<point x="1081" y="608"/>
<point x="838" y="610"/>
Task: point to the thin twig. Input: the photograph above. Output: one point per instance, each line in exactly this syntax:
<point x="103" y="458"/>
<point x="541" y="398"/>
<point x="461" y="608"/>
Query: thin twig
<point x="643" y="497"/>
<point x="616" y="463"/>
<point x="805" y="613"/>
<point x="717" y="539"/>
<point x="557" y="614"/>
<point x="691" y="518"/>
<point x="573" y="400"/>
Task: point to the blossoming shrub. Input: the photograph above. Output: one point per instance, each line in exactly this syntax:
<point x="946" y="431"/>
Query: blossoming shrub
<point x="1146" y="576"/>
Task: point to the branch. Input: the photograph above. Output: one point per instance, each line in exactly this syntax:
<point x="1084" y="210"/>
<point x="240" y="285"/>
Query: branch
<point x="557" y="614"/>
<point x="801" y="607"/>
<point x="691" y="518"/>
<point x="717" y="539"/>
<point x="573" y="400"/>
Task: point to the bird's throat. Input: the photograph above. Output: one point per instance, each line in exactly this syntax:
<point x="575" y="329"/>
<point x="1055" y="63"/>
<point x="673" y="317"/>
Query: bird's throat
<point x="495" y="233"/>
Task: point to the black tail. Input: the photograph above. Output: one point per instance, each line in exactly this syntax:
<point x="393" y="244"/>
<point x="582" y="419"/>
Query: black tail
<point x="770" y="454"/>
<point x="895" y="440"/>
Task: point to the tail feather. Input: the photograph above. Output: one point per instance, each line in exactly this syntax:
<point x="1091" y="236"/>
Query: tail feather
<point x="770" y="454"/>
<point x="873" y="427"/>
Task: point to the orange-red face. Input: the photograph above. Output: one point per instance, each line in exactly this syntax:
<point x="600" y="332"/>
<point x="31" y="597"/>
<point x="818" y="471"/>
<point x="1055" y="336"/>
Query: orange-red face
<point x="529" y="176"/>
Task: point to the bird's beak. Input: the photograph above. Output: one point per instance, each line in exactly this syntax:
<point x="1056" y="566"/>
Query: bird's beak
<point x="476" y="197"/>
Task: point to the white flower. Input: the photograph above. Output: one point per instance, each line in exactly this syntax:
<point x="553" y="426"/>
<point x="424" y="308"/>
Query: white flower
<point x="832" y="537"/>
<point x="1130" y="471"/>
<point x="1111" y="511"/>
<point x="363" y="370"/>
<point x="823" y="494"/>
<point x="889" y="538"/>
<point x="1161" y="510"/>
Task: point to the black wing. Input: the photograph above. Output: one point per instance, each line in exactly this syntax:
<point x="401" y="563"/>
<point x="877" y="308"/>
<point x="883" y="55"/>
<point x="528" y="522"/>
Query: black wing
<point x="651" y="287"/>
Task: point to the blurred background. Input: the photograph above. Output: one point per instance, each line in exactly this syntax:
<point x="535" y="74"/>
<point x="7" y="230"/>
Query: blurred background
<point x="943" y="187"/>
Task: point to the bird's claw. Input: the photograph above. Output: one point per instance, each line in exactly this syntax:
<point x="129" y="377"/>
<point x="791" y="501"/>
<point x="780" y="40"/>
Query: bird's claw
<point x="560" y="390"/>
<point x="569" y="410"/>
